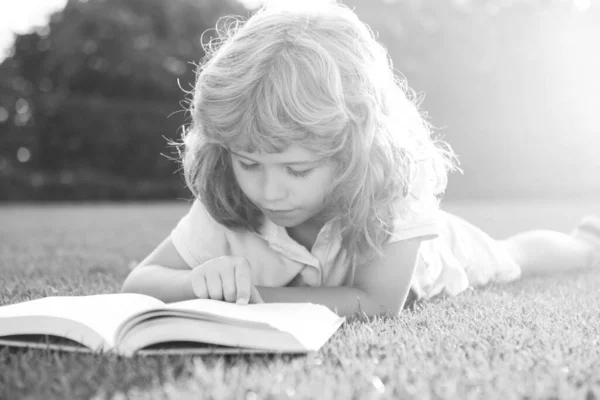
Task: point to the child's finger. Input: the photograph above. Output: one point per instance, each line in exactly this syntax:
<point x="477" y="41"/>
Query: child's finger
<point x="255" y="297"/>
<point x="228" y="284"/>
<point x="199" y="284"/>
<point x="243" y="282"/>
<point x="214" y="285"/>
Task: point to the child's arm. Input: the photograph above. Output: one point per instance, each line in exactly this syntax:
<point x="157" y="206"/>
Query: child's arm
<point x="163" y="274"/>
<point x="379" y="288"/>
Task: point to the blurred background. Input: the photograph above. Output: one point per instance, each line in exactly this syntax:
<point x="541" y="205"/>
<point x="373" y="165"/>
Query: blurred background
<point x="92" y="90"/>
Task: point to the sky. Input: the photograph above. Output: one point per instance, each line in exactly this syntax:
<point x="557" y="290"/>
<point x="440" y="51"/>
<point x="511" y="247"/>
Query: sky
<point x="20" y="16"/>
<point x="23" y="16"/>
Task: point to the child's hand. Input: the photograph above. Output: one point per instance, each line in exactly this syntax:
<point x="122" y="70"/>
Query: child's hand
<point x="225" y="278"/>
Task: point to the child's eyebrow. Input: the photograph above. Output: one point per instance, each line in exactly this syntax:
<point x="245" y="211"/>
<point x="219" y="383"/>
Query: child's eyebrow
<point x="299" y="162"/>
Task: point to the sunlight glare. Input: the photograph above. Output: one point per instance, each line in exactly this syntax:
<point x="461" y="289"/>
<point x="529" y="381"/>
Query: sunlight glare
<point x="582" y="5"/>
<point x="23" y="16"/>
<point x="254" y="4"/>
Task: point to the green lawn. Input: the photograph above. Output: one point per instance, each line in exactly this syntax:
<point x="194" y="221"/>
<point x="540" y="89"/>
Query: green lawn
<point x="535" y="338"/>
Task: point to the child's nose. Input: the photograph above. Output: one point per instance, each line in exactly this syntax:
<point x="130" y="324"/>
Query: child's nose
<point x="273" y="187"/>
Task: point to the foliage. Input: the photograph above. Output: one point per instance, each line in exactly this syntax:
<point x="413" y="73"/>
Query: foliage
<point x="100" y="89"/>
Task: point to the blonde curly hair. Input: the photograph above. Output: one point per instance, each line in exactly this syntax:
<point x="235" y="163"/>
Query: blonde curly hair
<point x="312" y="76"/>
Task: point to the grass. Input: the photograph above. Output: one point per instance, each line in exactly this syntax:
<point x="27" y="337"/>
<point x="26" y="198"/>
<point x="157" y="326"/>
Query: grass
<point x="534" y="338"/>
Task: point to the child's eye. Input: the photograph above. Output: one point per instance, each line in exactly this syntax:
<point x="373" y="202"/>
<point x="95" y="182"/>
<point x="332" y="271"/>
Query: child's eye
<point x="300" y="174"/>
<point x="293" y="172"/>
<point x="248" y="167"/>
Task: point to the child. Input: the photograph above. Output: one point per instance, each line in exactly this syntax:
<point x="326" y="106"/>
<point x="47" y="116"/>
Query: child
<point x="317" y="180"/>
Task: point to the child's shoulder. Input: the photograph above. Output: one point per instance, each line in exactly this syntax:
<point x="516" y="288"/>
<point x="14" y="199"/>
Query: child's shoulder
<point x="199" y="217"/>
<point x="198" y="237"/>
<point x="198" y="210"/>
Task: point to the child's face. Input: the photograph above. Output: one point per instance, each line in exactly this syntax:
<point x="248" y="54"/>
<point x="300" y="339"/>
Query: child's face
<point x="288" y="187"/>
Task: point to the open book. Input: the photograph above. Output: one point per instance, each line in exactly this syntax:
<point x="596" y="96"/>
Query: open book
<point x="126" y="323"/>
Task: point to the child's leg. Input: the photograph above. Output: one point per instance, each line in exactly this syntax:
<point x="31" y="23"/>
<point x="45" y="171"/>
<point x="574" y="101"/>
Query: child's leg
<point x="542" y="251"/>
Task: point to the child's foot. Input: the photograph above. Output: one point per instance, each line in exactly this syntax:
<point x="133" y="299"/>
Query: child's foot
<point x="588" y="230"/>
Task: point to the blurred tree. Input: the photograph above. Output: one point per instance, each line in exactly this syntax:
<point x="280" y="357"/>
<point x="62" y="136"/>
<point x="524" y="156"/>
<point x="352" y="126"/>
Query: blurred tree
<point x="95" y="93"/>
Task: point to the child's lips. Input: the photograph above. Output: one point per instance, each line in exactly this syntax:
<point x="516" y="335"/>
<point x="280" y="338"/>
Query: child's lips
<point x="279" y="213"/>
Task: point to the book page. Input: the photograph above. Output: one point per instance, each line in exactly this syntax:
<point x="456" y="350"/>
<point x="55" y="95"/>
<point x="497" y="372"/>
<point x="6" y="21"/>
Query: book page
<point x="102" y="313"/>
<point x="308" y="322"/>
